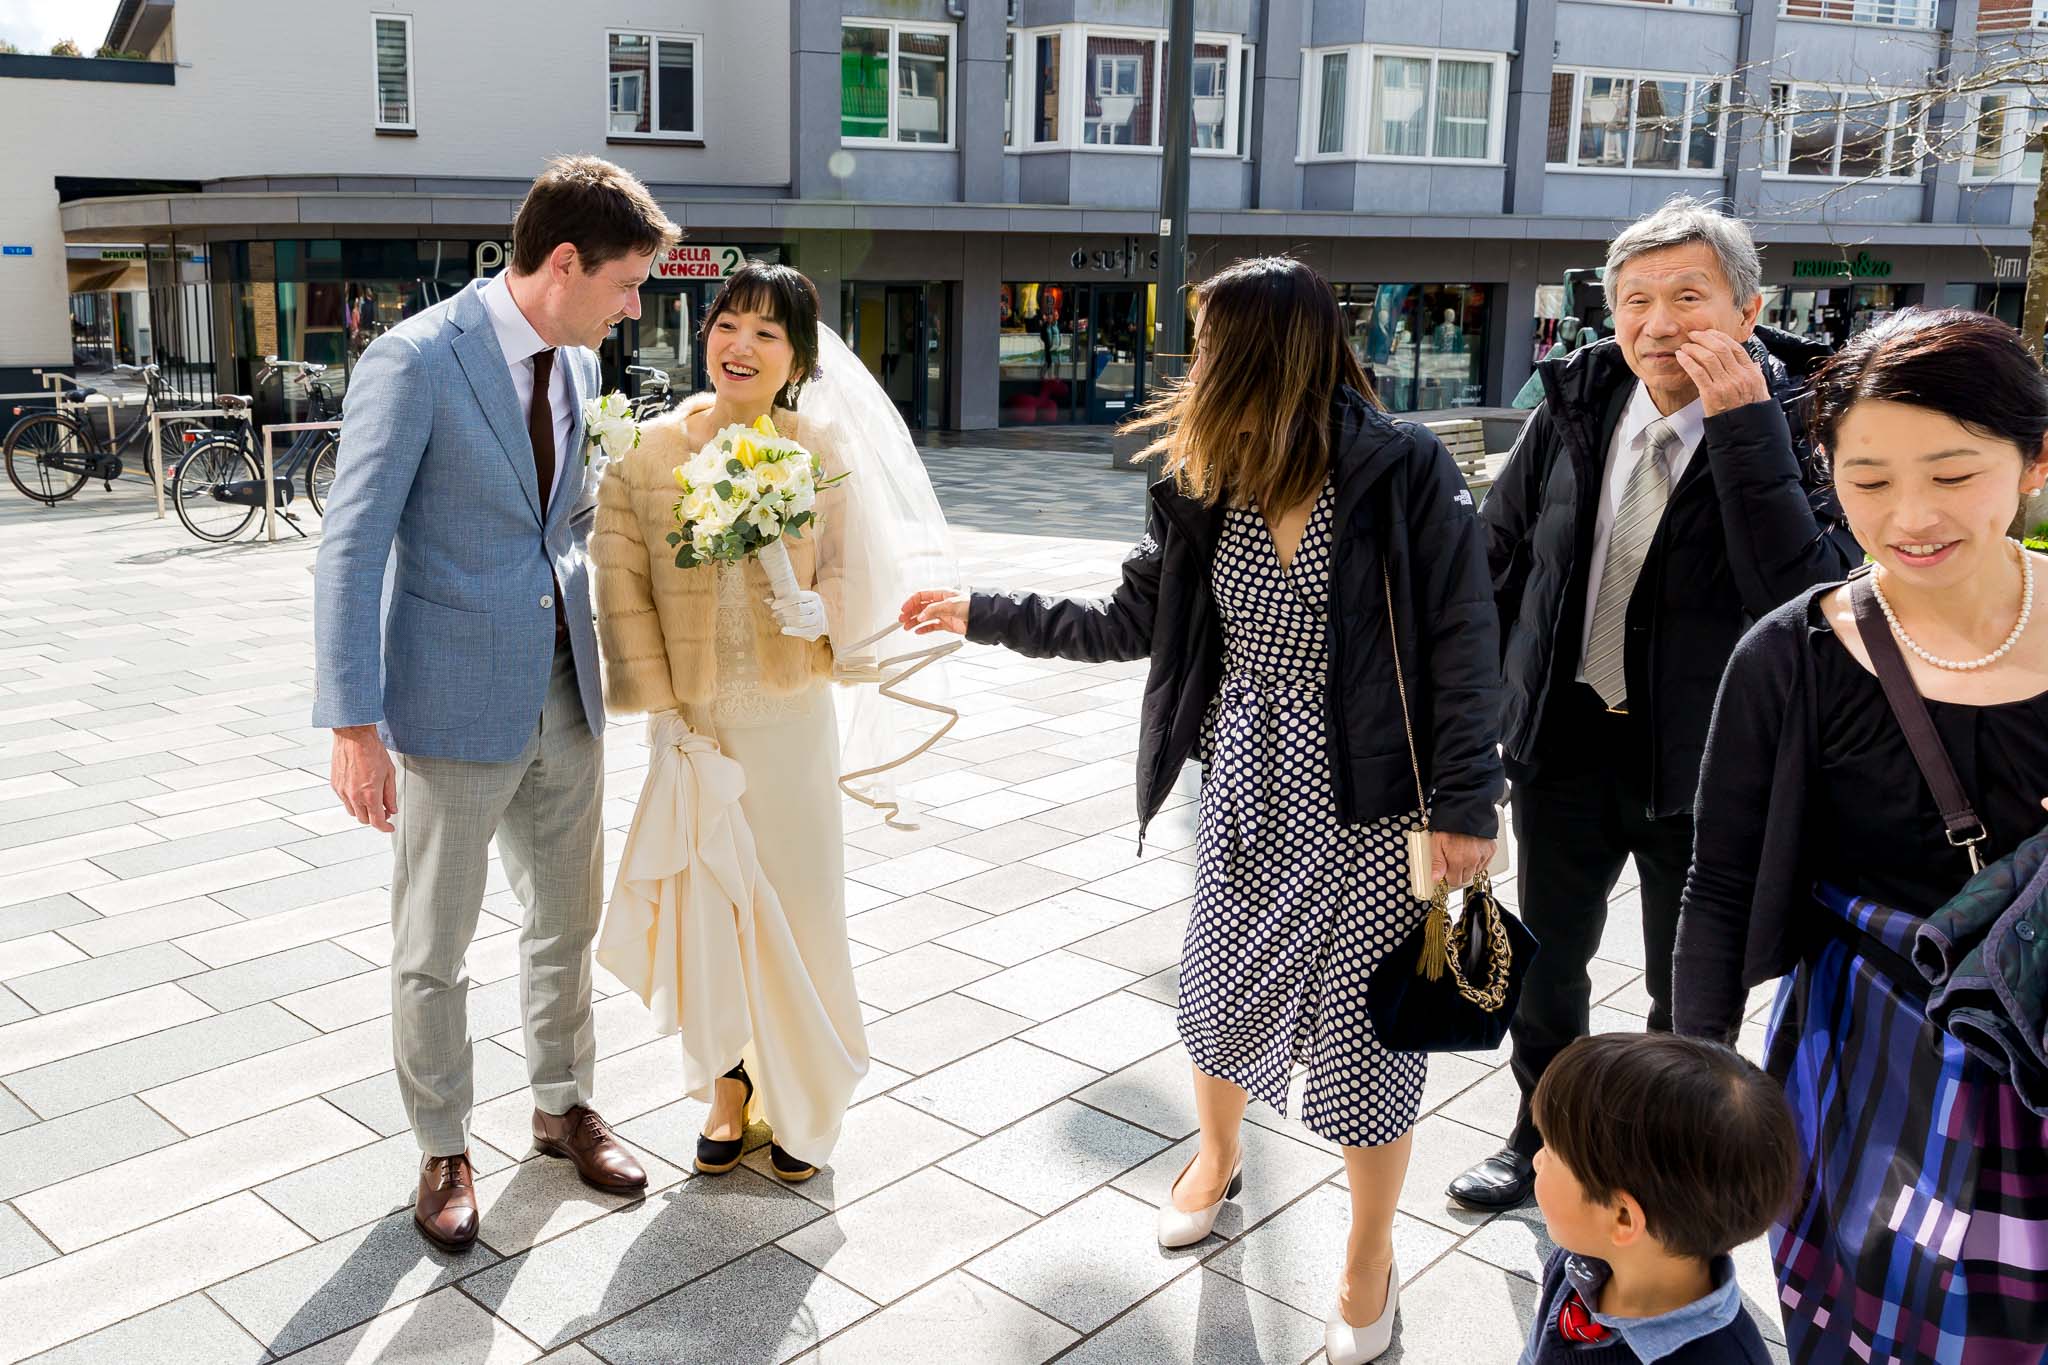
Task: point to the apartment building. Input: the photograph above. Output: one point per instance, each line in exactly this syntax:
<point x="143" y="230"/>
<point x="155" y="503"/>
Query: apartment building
<point x="974" y="184"/>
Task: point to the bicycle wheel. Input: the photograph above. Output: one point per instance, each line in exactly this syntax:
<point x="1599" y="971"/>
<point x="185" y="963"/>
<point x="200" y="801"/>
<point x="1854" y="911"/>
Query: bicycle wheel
<point x="47" y="456"/>
<point x="204" y="470"/>
<point x="320" y="477"/>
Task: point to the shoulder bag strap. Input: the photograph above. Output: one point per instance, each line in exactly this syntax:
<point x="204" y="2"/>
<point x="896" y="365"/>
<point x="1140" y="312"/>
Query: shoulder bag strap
<point x="1401" y="686"/>
<point x="1965" y="830"/>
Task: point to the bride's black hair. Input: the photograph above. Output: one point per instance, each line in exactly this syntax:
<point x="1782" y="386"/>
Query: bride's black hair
<point x="785" y="297"/>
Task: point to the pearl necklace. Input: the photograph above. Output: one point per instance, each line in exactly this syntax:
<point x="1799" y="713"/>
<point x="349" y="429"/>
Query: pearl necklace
<point x="1966" y="665"/>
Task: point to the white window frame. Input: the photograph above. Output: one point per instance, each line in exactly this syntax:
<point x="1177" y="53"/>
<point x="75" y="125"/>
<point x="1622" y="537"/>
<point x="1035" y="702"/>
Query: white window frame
<point x="1778" y="142"/>
<point x="1077" y="75"/>
<point x="411" y="124"/>
<point x="1358" y="98"/>
<point x="897" y="28"/>
<point x="1693" y="80"/>
<point x="2021" y="108"/>
<point x="655" y="38"/>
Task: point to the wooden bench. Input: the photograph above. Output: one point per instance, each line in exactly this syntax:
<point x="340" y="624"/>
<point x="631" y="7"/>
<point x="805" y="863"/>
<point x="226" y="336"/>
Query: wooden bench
<point x="1466" y="440"/>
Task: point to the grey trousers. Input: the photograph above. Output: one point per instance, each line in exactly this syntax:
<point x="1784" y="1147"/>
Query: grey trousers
<point x="543" y="808"/>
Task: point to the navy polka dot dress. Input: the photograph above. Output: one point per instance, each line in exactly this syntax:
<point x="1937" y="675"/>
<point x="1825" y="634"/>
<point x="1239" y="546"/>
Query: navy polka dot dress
<point x="1293" y="908"/>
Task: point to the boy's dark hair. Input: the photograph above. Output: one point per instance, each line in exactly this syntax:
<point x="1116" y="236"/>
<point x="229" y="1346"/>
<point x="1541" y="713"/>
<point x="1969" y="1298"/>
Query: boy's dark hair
<point x="1700" y="1138"/>
<point x="787" y="298"/>
<point x="601" y="209"/>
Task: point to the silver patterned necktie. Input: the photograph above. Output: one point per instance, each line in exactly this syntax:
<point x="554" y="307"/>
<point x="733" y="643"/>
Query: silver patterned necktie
<point x="1635" y="523"/>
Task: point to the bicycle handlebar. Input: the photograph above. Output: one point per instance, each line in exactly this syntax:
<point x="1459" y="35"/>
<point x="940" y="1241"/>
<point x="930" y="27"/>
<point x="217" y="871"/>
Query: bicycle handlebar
<point x="305" y="367"/>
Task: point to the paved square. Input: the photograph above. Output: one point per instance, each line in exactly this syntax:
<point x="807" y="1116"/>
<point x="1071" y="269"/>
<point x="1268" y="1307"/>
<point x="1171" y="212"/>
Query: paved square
<point x="202" y="1157"/>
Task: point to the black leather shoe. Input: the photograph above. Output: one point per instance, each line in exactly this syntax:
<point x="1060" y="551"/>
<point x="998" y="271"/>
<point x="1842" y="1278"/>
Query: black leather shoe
<point x="1504" y="1180"/>
<point x="792" y="1170"/>
<point x="714" y="1156"/>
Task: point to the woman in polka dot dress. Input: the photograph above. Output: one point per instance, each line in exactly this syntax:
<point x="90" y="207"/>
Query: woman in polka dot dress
<point x="1294" y="516"/>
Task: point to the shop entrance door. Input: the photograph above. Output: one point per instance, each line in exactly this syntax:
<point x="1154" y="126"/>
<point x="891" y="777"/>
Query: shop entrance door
<point x="664" y="336"/>
<point x="1115" y="352"/>
<point x="899" y="332"/>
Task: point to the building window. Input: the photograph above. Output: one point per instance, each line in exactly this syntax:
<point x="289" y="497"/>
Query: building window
<point x="651" y="85"/>
<point x="1424" y="345"/>
<point x="1415" y="105"/>
<point x="1827" y="133"/>
<point x="1045" y="88"/>
<point x="896" y="83"/>
<point x="391" y="42"/>
<point x="1610" y="121"/>
<point x="2005" y="124"/>
<point x="1121" y="78"/>
<point x="1009" y="86"/>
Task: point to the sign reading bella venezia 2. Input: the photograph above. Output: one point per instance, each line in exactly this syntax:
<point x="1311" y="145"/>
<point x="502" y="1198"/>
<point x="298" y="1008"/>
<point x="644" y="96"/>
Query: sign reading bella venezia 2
<point x="690" y="261"/>
<point x="1863" y="266"/>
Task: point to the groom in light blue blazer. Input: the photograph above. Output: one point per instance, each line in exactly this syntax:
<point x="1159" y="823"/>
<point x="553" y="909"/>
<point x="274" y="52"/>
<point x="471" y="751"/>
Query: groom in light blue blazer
<point x="457" y="664"/>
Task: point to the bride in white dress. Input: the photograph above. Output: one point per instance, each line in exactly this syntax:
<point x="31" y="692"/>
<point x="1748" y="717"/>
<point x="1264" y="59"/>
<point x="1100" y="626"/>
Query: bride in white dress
<point x="729" y="912"/>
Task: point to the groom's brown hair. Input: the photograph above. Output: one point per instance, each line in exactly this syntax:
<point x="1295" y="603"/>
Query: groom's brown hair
<point x="600" y="209"/>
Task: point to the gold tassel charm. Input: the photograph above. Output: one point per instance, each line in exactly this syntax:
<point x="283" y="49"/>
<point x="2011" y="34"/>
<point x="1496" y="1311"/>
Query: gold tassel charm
<point x="1436" y="938"/>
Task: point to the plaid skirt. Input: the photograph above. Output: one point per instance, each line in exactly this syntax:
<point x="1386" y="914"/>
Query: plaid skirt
<point x="1921" y="1228"/>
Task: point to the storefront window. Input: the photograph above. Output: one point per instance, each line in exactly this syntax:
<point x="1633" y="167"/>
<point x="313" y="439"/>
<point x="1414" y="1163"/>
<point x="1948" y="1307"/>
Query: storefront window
<point x="1832" y="315"/>
<point x="1423" y="345"/>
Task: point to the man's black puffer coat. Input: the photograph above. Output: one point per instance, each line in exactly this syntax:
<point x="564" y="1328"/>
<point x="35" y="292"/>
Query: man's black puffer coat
<point x="1399" y="502"/>
<point x="1752" y="523"/>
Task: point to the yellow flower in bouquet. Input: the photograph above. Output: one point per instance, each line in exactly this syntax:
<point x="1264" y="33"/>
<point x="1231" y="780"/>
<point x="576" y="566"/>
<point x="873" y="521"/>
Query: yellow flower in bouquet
<point x="745" y="490"/>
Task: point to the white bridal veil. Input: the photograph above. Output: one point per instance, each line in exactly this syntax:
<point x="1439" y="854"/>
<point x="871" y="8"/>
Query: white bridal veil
<point x="894" y="693"/>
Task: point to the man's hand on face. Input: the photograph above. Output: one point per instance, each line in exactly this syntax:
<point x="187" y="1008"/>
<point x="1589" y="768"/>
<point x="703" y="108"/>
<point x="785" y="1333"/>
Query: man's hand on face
<point x="1722" y="371"/>
<point x="363" y="776"/>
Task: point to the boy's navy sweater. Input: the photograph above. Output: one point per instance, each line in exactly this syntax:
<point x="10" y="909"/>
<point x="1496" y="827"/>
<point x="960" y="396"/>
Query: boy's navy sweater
<point x="1737" y="1343"/>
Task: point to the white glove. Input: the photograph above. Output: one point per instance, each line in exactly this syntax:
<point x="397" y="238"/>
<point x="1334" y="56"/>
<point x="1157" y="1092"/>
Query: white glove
<point x="802" y="615"/>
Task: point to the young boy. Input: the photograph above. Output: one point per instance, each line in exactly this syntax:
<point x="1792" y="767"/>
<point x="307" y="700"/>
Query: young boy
<point x="1660" y="1154"/>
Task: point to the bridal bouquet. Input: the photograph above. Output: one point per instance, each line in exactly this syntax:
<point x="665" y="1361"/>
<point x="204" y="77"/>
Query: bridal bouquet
<point x="746" y="489"/>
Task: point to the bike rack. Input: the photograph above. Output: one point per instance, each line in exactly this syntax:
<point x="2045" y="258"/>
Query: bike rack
<point x="156" y="442"/>
<point x="54" y="385"/>
<point x="270" y="480"/>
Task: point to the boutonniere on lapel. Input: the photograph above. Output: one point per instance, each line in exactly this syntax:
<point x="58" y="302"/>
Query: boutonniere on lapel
<point x="609" y="428"/>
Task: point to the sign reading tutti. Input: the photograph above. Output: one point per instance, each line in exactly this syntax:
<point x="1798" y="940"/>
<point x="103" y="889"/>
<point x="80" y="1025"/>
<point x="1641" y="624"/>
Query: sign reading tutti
<point x="1863" y="267"/>
<point x="17" y="251"/>
<point x="697" y="262"/>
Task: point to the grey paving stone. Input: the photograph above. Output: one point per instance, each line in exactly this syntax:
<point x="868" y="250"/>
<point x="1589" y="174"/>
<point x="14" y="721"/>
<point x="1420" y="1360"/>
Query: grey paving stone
<point x="12" y="1007"/>
<point x="157" y="924"/>
<point x="343" y="1281"/>
<point x="1297" y="1256"/>
<point x="1007" y="888"/>
<point x="266" y="978"/>
<point x="1156" y="1093"/>
<point x="909" y="921"/>
<point x="200" y="848"/>
<point x="13" y="1113"/>
<point x="444" y="1328"/>
<point x="1108" y="1033"/>
<point x="1010" y="843"/>
<point x="1055" y="1156"/>
<point x="882" y="1140"/>
<point x="39" y="1154"/>
<point x="939" y="1031"/>
<point x="358" y="1187"/>
<point x="97" y="978"/>
<point x="1204" y="1318"/>
<point x="767" y="1306"/>
<point x="254" y="1085"/>
<point x="125" y="1068"/>
<point x="607" y="1268"/>
<point x="917" y="974"/>
<point x="995" y="1086"/>
<point x="970" y="1322"/>
<point x="906" y="1234"/>
<point x="541" y="1197"/>
<point x="277" y="894"/>
<point x="1277" y="1171"/>
<point x="1462" y="1309"/>
<point x="1150" y="943"/>
<point x="1019" y="935"/>
<point x="21" y="1246"/>
<point x="374" y="1101"/>
<point x="37" y="916"/>
<point x="89" y="815"/>
<point x="1049" y="985"/>
<point x="1086" y="1263"/>
<point x="189" y="1331"/>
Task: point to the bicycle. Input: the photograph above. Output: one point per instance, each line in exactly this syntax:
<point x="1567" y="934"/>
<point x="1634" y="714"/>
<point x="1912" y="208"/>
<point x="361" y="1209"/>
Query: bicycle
<point x="655" y="397"/>
<point x="218" y="486"/>
<point x="50" y="455"/>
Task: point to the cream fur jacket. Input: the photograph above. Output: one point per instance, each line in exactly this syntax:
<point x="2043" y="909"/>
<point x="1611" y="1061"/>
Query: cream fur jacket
<point x="656" y="623"/>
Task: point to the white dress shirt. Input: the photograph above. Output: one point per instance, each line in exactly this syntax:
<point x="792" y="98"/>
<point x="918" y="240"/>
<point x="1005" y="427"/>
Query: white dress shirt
<point x="520" y="343"/>
<point x="1689" y="424"/>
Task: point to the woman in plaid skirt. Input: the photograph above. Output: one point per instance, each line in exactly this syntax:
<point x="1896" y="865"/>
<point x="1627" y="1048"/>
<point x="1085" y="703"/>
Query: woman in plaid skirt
<point x="1921" y="1229"/>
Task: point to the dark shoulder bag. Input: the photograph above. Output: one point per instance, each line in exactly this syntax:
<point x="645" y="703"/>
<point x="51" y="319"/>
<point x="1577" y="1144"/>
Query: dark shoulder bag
<point x="1422" y="997"/>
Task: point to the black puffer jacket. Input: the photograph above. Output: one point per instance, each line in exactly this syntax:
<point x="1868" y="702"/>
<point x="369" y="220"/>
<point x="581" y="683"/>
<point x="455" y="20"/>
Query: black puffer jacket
<point x="1399" y="500"/>
<point x="1751" y="524"/>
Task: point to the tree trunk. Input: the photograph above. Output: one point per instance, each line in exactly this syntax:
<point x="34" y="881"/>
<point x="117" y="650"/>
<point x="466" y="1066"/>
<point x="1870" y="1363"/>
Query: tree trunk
<point x="2034" y="315"/>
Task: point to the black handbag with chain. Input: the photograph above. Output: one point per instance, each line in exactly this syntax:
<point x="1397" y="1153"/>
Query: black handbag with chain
<point x="1422" y="996"/>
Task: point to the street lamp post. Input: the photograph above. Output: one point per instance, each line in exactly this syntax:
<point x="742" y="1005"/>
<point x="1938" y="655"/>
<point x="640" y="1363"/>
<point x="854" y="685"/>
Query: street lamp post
<point x="1169" y="329"/>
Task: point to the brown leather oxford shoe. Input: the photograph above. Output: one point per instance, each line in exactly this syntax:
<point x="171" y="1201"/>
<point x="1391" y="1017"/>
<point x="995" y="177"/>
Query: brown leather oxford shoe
<point x="582" y="1137"/>
<point x="446" y="1207"/>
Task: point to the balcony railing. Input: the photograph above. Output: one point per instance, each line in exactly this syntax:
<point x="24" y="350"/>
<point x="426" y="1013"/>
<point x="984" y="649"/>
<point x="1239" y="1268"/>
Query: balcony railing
<point x="1891" y="13"/>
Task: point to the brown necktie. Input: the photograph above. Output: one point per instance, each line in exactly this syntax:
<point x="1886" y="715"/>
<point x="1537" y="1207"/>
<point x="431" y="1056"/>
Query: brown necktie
<point x="540" y="429"/>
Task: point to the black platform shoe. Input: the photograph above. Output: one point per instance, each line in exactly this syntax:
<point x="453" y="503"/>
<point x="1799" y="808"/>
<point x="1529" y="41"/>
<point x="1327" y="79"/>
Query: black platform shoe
<point x="789" y="1169"/>
<point x="716" y="1157"/>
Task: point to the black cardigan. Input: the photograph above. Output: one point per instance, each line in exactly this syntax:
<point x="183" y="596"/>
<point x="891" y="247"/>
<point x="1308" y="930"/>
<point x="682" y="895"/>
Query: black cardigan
<point x="1749" y="892"/>
<point x="1400" y="503"/>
